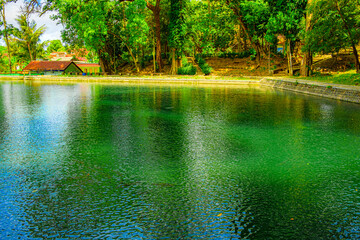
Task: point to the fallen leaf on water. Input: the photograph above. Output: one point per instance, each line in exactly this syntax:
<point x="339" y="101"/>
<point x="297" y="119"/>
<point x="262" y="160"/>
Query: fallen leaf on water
<point x="219" y="215"/>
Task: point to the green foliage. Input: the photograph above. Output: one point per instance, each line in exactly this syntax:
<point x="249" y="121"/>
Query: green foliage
<point x="177" y="27"/>
<point x="55" y="46"/>
<point x="210" y="27"/>
<point x="92" y="57"/>
<point x="111" y="28"/>
<point x="252" y="53"/>
<point x="187" y="68"/>
<point x="124" y="31"/>
<point x="232" y="55"/>
<point x="256" y="16"/>
<point x="26" y="44"/>
<point x="134" y="34"/>
<point x="336" y="25"/>
<point x="205" y="68"/>
<point x="3" y="62"/>
<point x="285" y="19"/>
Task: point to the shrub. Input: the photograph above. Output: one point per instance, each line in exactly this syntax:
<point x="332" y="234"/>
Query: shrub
<point x="187" y="68"/>
<point x="205" y="68"/>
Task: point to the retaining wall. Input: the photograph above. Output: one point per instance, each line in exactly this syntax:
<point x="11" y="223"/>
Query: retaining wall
<point x="334" y="91"/>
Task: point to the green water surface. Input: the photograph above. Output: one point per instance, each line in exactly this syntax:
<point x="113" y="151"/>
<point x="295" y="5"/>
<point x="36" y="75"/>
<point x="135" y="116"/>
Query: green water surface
<point x="96" y="161"/>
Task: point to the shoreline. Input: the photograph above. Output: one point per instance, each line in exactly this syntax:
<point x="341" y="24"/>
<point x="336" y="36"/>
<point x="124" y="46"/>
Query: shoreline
<point x="341" y="92"/>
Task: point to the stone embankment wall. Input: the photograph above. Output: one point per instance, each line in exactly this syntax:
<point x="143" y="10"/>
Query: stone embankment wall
<point x="334" y="91"/>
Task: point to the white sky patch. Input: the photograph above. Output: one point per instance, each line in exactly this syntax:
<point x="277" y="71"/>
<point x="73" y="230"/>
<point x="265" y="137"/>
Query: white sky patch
<point x="53" y="30"/>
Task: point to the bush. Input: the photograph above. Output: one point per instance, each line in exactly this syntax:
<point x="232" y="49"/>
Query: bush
<point x="205" y="68"/>
<point x="252" y="53"/>
<point x="187" y="68"/>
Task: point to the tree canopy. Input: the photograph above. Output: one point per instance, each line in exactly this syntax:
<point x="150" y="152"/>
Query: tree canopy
<point x="137" y="32"/>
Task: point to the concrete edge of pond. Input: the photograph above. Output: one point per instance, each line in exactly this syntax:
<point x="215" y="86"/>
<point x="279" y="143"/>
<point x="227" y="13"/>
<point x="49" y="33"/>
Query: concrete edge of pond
<point x="130" y="80"/>
<point x="329" y="90"/>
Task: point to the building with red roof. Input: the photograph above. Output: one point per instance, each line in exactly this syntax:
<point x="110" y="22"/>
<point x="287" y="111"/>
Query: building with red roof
<point x="89" y="68"/>
<point x="53" y="67"/>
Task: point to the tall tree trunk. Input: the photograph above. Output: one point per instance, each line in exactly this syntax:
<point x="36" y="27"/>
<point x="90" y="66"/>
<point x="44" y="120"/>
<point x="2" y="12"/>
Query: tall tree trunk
<point x="158" y="39"/>
<point x="134" y="58"/>
<point x="104" y="64"/>
<point x="269" y="60"/>
<point x="289" y="56"/>
<point x="156" y="11"/>
<point x="258" y="60"/>
<point x="29" y="49"/>
<point x="173" y="62"/>
<point x="239" y="39"/>
<point x="154" y="55"/>
<point x="306" y="63"/>
<point x="6" y="36"/>
<point x="356" y="55"/>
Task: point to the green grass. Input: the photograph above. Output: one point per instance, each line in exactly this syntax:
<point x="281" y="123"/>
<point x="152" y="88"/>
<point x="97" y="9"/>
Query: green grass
<point x="347" y="78"/>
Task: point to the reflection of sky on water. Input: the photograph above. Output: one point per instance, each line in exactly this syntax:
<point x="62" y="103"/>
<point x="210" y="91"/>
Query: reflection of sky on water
<point x="32" y="141"/>
<point x="108" y="161"/>
<point x="13" y="217"/>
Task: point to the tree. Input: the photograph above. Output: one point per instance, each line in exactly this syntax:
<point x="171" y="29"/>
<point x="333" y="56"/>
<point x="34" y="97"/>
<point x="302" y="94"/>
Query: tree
<point x="114" y="29"/>
<point x="28" y="37"/>
<point x="211" y="26"/>
<point x="5" y="32"/>
<point x="177" y="31"/>
<point x="3" y="66"/>
<point x="307" y="57"/>
<point x="285" y="19"/>
<point x="156" y="12"/>
<point x="135" y="30"/>
<point x="55" y="46"/>
<point x="336" y="26"/>
<point x="253" y="17"/>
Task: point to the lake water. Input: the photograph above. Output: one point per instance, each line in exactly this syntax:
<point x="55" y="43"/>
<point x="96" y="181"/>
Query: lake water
<point x="176" y="162"/>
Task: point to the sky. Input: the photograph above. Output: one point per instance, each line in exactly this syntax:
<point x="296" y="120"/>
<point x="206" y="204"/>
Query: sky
<point x="53" y="30"/>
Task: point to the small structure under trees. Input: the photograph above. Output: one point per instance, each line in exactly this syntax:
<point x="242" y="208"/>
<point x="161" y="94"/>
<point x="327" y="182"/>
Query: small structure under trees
<point x="53" y="67"/>
<point x="89" y="68"/>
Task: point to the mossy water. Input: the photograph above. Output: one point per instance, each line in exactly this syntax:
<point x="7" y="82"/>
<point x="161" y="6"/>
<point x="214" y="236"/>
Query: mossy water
<point x="177" y="162"/>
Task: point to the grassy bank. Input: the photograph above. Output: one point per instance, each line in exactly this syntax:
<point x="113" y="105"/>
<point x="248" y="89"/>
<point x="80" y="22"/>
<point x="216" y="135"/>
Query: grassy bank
<point x="347" y="78"/>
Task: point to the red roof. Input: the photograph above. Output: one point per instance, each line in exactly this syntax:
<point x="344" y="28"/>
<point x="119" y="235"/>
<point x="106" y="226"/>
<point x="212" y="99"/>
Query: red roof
<point x="47" y="65"/>
<point x="88" y="65"/>
<point x="81" y="58"/>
